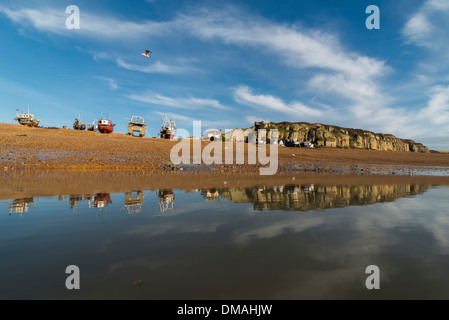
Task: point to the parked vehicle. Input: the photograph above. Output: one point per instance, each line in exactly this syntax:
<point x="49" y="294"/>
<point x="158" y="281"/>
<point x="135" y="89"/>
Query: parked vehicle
<point x="306" y="145"/>
<point x="298" y="144"/>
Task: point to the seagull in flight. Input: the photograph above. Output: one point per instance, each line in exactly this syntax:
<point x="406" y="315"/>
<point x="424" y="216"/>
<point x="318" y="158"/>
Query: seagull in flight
<point x="146" y="53"/>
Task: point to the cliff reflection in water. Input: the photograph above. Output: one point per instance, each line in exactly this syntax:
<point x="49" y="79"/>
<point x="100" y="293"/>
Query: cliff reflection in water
<point x="312" y="197"/>
<point x="290" y="197"/>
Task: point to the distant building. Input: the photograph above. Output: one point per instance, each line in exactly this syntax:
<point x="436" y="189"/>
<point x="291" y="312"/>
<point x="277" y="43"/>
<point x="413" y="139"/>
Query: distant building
<point x="212" y="135"/>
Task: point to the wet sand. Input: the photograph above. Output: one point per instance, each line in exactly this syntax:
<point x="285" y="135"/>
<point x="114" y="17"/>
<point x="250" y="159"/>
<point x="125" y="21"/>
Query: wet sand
<point x="22" y="147"/>
<point x="40" y="183"/>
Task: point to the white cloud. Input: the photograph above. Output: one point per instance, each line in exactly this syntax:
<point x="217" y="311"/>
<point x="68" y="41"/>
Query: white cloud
<point x="339" y="72"/>
<point x="52" y="20"/>
<point x="427" y="27"/>
<point x="189" y="120"/>
<point x="252" y="119"/>
<point x="206" y="103"/>
<point x="418" y="29"/>
<point x="438" y="4"/>
<point x="176" y="116"/>
<point x="437" y="110"/>
<point x="156" y="67"/>
<point x="244" y="95"/>
<point x="191" y="103"/>
<point x="100" y="56"/>
<point x="300" y="48"/>
<point x="367" y="107"/>
<point x="431" y="119"/>
<point x="345" y="86"/>
<point x="45" y="20"/>
<point x="111" y="82"/>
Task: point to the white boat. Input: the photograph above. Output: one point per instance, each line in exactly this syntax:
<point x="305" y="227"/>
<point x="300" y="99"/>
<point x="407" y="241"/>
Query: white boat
<point x="168" y="129"/>
<point x="27" y="119"/>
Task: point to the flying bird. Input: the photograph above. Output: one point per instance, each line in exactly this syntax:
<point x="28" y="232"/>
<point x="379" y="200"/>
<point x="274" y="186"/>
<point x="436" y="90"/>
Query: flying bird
<point x="146" y="53"/>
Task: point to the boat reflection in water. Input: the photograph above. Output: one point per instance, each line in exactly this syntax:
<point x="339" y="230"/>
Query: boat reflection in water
<point x="20" y="206"/>
<point x="286" y="198"/>
<point x="134" y="201"/>
<point x="100" y="201"/>
<point x="210" y="194"/>
<point x="166" y="199"/>
<point x="242" y="243"/>
<point x="74" y="201"/>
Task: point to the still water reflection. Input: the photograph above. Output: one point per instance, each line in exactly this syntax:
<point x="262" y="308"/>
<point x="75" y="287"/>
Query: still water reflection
<point x="284" y="242"/>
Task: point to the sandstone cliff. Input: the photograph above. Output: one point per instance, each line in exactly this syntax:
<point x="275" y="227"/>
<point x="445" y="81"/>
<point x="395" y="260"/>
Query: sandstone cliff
<point x="332" y="136"/>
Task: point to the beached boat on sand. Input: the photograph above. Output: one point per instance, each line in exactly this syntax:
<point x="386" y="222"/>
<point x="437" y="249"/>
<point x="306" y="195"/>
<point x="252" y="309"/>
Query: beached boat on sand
<point x="137" y="124"/>
<point x="105" y="126"/>
<point x="168" y="129"/>
<point x="27" y="119"/>
<point x="93" y="126"/>
<point x="79" y="125"/>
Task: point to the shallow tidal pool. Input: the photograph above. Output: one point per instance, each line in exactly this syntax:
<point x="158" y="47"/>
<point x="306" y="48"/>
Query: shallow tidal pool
<point x="286" y="242"/>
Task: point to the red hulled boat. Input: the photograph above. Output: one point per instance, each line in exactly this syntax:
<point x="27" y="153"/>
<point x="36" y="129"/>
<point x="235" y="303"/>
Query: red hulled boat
<point x="105" y="126"/>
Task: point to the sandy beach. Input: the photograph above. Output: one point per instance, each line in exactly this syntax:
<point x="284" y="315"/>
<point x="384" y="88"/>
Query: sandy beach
<point x="43" y="162"/>
<point x="23" y="147"/>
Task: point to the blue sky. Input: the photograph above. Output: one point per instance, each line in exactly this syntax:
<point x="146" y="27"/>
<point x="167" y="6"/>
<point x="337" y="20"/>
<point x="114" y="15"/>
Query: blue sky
<point x="230" y="63"/>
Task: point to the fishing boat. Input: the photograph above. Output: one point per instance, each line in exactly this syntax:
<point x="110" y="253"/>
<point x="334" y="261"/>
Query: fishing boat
<point x="105" y="126"/>
<point x="101" y="201"/>
<point x="27" y="119"/>
<point x="137" y="124"/>
<point x="168" y="129"/>
<point x="79" y="125"/>
<point x="93" y="126"/>
<point x="166" y="200"/>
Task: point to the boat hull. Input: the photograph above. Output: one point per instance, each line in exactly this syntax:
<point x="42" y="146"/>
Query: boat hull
<point x="27" y="122"/>
<point x="79" y="126"/>
<point x="105" y="128"/>
<point x="166" y="134"/>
